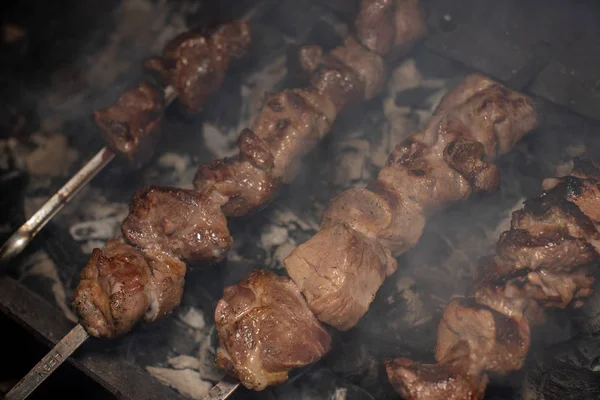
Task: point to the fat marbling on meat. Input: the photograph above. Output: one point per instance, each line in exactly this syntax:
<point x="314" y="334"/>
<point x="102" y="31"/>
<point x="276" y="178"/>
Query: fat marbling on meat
<point x="266" y="329"/>
<point x="546" y="259"/>
<point x="422" y="175"/>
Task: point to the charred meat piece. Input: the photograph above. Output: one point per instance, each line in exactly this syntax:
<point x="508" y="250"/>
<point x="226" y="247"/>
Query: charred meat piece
<point x="348" y="74"/>
<point x="266" y="329"/>
<point x="121" y="285"/>
<point x="290" y="124"/>
<point x="244" y="187"/>
<point x="339" y="271"/>
<point x="554" y="251"/>
<point x="182" y="223"/>
<point x="494" y="340"/>
<point x="341" y="268"/>
<point x="131" y="125"/>
<point x="446" y="381"/>
<point x="169" y="225"/>
<point x="545" y="260"/>
<point x="195" y="64"/>
<point x="389" y="26"/>
<point x="397" y="222"/>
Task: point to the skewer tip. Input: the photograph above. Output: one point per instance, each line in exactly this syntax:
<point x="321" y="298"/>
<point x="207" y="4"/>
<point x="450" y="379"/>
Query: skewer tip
<point x="13" y="246"/>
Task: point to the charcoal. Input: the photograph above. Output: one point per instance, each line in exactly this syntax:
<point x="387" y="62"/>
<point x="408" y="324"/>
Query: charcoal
<point x="318" y="383"/>
<point x="568" y="370"/>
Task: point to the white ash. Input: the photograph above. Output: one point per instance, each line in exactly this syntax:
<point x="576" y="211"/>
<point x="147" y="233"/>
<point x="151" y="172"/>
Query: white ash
<point x="206" y="356"/>
<point x="339" y="394"/>
<point x="186" y="381"/>
<point x="281" y="253"/>
<point x="223" y="142"/>
<point x="193" y="318"/>
<point x="261" y="82"/>
<point x="91" y="230"/>
<point x="274" y="236"/>
<point x="287" y="217"/>
<point x="184" y="361"/>
<point x="40" y="264"/>
<point x="178" y="162"/>
<point x="98" y="220"/>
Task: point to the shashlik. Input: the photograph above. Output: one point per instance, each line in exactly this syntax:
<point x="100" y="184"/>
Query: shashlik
<point x="193" y="66"/>
<point x="340" y="269"/>
<point x="546" y="259"/>
<point x="141" y="275"/>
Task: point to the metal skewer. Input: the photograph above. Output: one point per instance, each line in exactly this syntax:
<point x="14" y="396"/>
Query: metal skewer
<point x="48" y="364"/>
<point x="222" y="390"/>
<point x="17" y="242"/>
<point x="226" y="386"/>
<point x="21" y="238"/>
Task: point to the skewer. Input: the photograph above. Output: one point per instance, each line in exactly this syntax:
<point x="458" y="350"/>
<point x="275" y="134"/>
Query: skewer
<point x="48" y="364"/>
<point x="222" y="390"/>
<point x="518" y="82"/>
<point x="17" y="242"/>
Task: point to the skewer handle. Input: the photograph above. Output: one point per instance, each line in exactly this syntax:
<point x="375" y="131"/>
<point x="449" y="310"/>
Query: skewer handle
<point x="21" y="238"/>
<point x="48" y="364"/>
<point x="223" y="389"/>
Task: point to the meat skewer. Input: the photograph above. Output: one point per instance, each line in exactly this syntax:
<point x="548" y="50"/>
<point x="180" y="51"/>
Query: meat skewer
<point x="545" y="260"/>
<point x="269" y="324"/>
<point x="191" y="69"/>
<point x="141" y="275"/>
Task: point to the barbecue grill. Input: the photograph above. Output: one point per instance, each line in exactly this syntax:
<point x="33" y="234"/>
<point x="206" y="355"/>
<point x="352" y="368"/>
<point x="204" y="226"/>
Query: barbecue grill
<point x="59" y="69"/>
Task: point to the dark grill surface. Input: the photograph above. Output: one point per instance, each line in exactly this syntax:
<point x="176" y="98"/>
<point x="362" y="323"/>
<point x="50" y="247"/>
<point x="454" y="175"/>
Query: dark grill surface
<point x="58" y="66"/>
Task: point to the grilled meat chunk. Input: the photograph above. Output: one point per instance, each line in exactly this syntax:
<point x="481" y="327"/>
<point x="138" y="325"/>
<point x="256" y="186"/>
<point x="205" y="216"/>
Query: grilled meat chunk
<point x="183" y="223"/>
<point x="195" y="64"/>
<point x="348" y="74"/>
<point x="131" y="125"/>
<point x="121" y="285"/>
<point x="447" y="381"/>
<point x="245" y="187"/>
<point x="339" y="270"/>
<point x="544" y="260"/>
<point x="494" y="340"/>
<point x="266" y="329"/>
<point x="444" y="163"/>
<point x="168" y="224"/>
<point x="291" y="123"/>
<point x="389" y="26"/>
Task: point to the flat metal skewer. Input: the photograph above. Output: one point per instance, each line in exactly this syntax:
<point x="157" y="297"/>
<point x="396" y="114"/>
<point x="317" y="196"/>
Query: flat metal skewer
<point x="17" y="242"/>
<point x="21" y="238"/>
<point x="48" y="364"/>
<point x="223" y="389"/>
